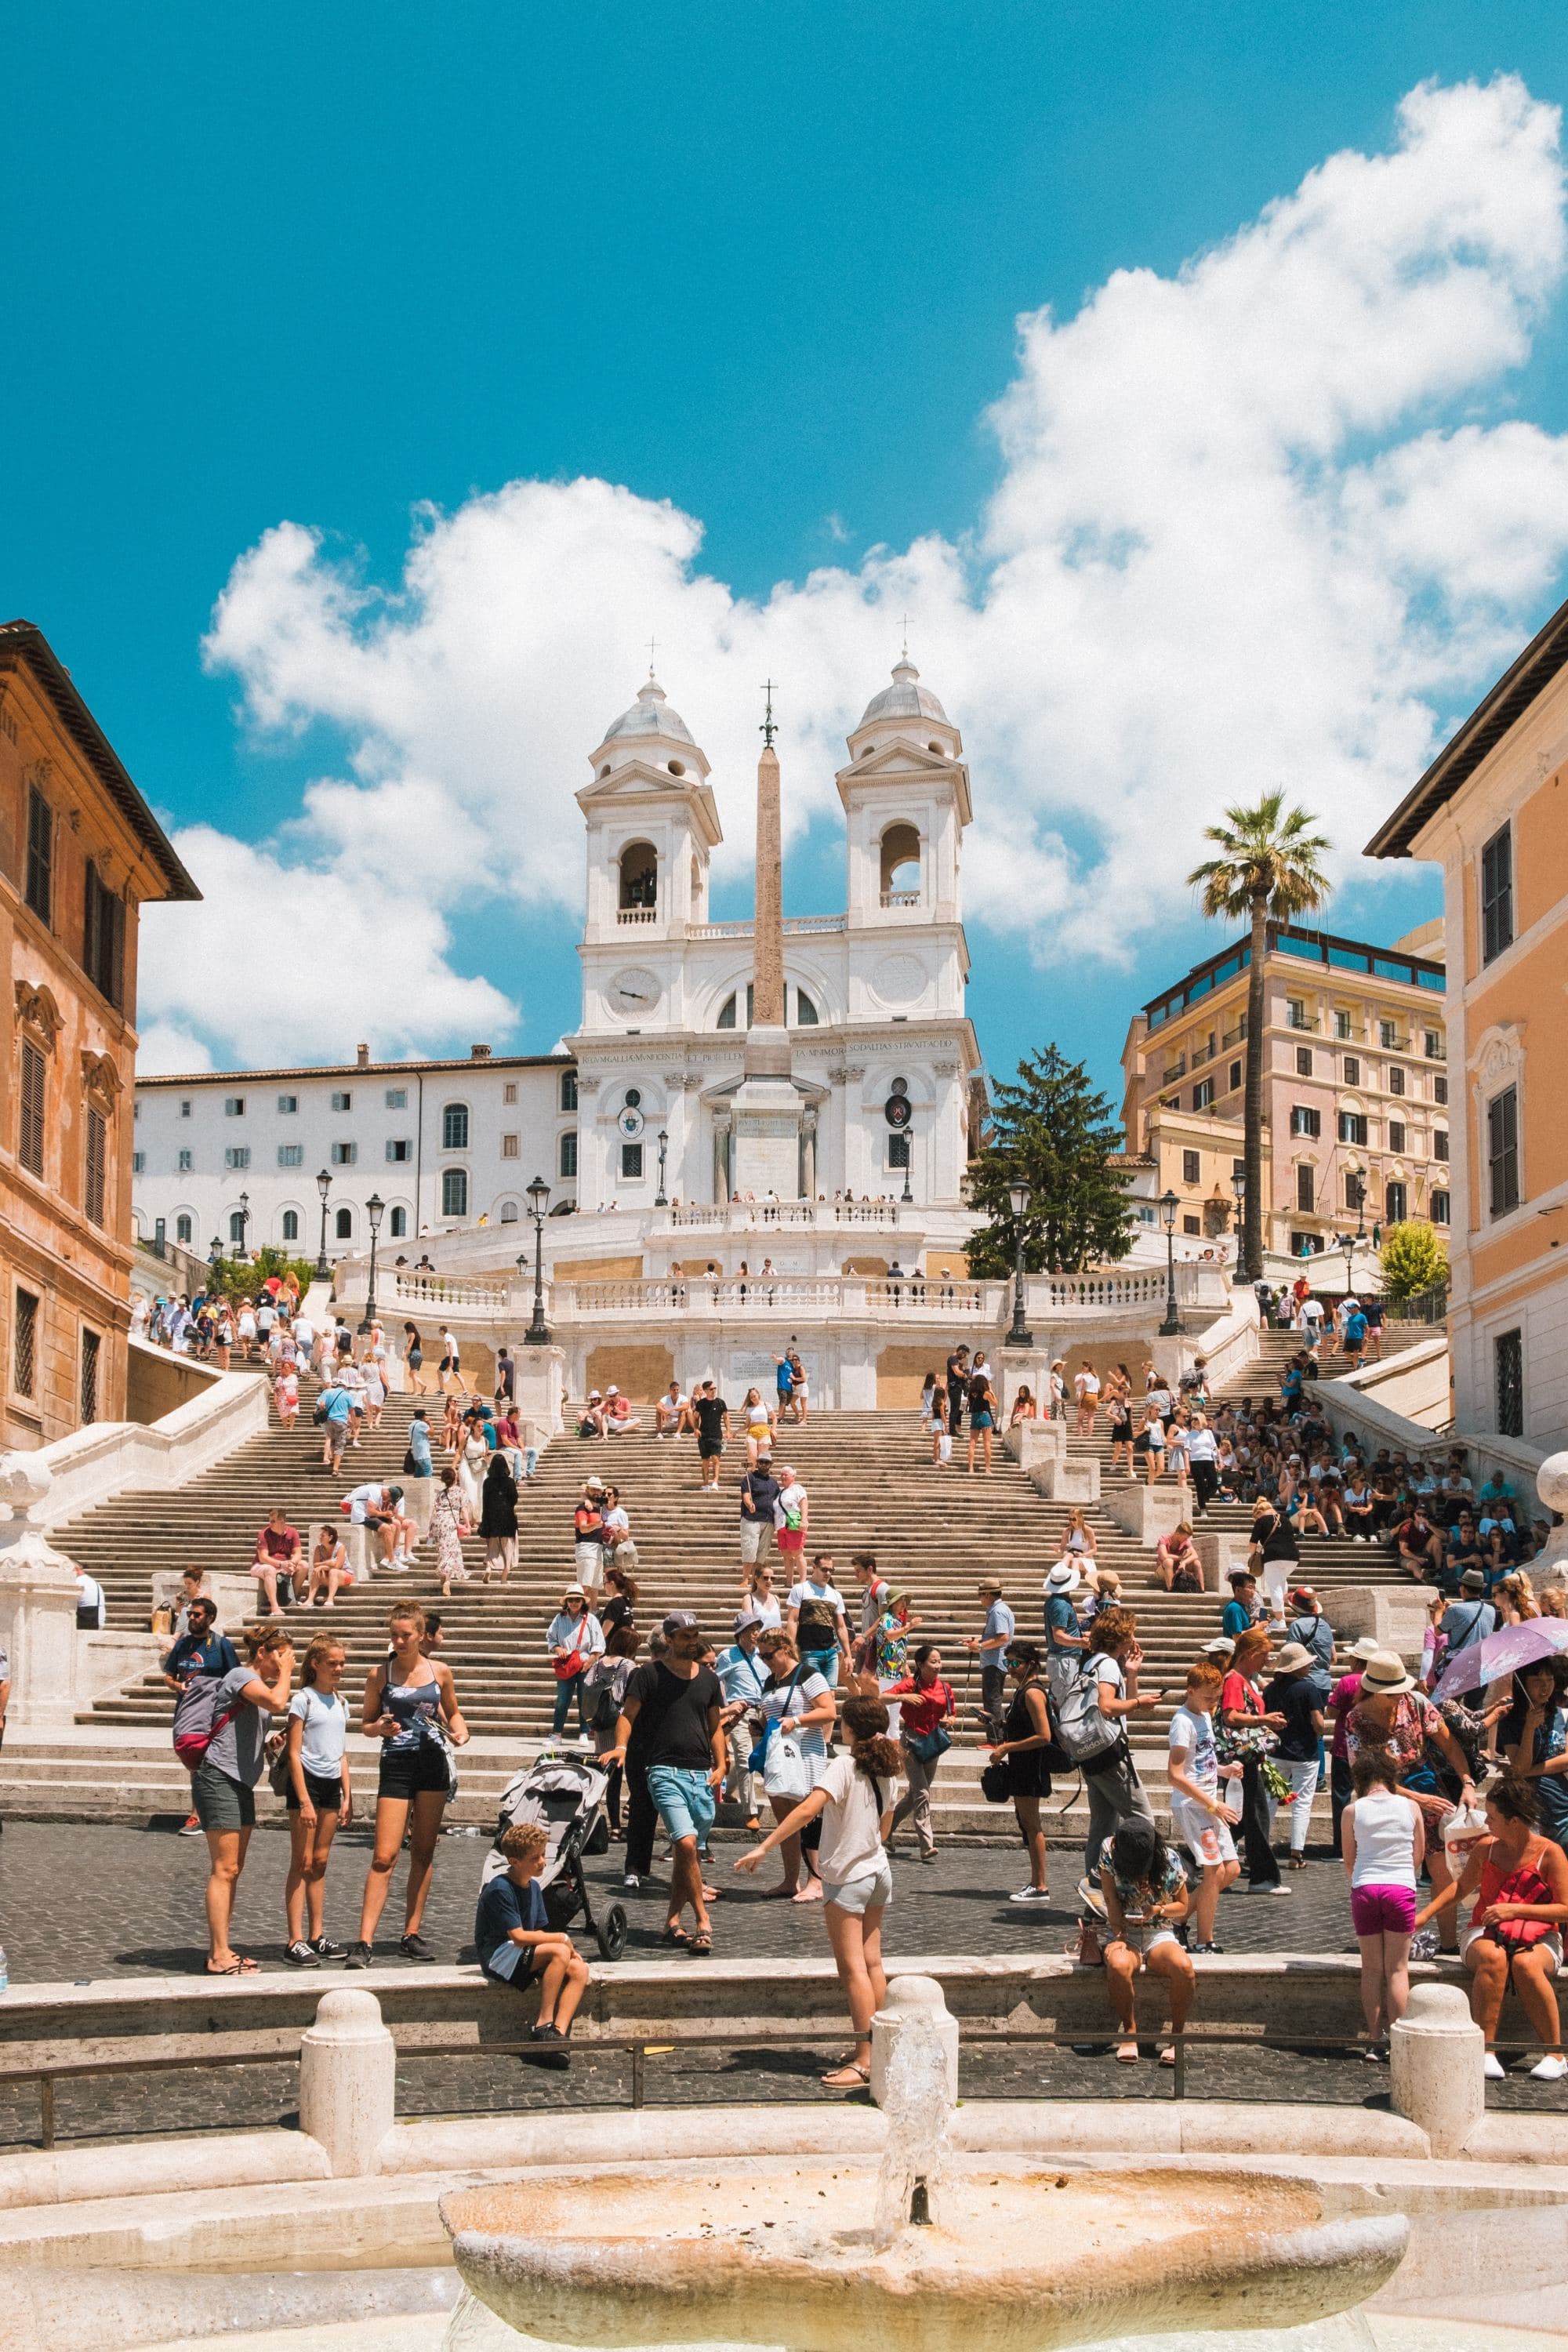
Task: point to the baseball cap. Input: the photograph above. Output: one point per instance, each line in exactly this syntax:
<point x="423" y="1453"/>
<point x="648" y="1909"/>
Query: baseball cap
<point x="1220" y="1647"/>
<point x="680" y="1621"/>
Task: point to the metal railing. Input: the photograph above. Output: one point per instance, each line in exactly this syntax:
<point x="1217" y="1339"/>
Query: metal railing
<point x="972" y="2035"/>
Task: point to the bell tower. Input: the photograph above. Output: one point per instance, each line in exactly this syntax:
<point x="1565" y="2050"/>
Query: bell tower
<point x="906" y="803"/>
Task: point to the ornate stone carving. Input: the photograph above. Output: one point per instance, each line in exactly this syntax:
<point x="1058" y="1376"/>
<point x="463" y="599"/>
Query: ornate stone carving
<point x="99" y="1077"/>
<point x="37" y="1006"/>
<point x="586" y="1086"/>
<point x="1499" y="1056"/>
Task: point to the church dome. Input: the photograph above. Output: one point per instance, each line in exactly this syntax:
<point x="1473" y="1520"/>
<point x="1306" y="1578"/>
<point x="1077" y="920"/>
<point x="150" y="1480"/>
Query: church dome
<point x="650" y="715"/>
<point x="905" y="698"/>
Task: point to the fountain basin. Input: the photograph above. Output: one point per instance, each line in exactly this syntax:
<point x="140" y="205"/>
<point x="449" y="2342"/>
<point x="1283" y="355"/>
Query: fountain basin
<point x="1030" y="2258"/>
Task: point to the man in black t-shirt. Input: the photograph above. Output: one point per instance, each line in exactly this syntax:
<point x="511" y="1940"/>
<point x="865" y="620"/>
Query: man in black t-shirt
<point x="680" y="1703"/>
<point x="712" y="1429"/>
<point x="759" y="1492"/>
<point x="957" y="1388"/>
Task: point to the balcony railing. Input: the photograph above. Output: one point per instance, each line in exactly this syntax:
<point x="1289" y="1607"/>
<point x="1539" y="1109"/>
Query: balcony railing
<point x="1178" y="1069"/>
<point x="435" y="1290"/>
<point x="1234" y="1036"/>
<point x="794" y="1295"/>
<point x="755" y="1216"/>
<point x="637" y="914"/>
<point x="901" y="898"/>
<point x="1202" y="1054"/>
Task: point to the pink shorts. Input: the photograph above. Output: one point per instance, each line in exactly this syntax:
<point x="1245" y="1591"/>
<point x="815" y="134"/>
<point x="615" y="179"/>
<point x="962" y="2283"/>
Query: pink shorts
<point x="1382" y="1910"/>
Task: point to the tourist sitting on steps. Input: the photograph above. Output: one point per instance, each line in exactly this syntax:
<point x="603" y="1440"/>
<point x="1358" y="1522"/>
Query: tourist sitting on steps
<point x="1519" y="1883"/>
<point x="517" y="1945"/>
<point x="1146" y="1894"/>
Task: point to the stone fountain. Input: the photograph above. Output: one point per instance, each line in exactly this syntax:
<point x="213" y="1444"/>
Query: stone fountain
<point x="921" y="2253"/>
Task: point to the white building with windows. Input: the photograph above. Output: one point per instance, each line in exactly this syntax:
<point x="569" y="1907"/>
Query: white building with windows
<point x="634" y="1122"/>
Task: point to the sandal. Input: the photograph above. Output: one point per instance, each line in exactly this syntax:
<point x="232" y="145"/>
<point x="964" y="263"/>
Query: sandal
<point x="699" y="1945"/>
<point x="1127" y="2054"/>
<point x="1168" y="2056"/>
<point x="852" y="2077"/>
<point x="676" y="1934"/>
<point x="243" y="1966"/>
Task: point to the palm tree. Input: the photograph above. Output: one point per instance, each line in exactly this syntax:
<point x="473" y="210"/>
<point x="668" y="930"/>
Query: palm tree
<point x="1266" y="870"/>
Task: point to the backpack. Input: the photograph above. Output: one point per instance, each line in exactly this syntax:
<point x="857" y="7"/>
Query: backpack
<point x="197" y="1720"/>
<point x="1081" y="1728"/>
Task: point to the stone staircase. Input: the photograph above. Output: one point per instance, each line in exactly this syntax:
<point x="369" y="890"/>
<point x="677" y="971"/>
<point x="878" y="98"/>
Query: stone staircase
<point x="872" y="1487"/>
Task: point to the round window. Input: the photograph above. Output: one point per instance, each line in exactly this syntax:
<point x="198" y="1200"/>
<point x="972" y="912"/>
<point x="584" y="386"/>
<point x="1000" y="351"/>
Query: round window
<point x="899" y="1086"/>
<point x="633" y="1097"/>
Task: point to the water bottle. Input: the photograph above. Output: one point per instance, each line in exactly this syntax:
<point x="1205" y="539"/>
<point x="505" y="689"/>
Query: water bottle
<point x="5" y="1971"/>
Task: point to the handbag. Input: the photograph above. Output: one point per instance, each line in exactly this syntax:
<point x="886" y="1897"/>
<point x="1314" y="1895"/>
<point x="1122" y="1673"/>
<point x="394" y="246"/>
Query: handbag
<point x="995" y="1785"/>
<point x="757" y="1760"/>
<point x="928" y="1745"/>
<point x="568" y="1668"/>
<point x="1524" y="1885"/>
<point x="787" y="1768"/>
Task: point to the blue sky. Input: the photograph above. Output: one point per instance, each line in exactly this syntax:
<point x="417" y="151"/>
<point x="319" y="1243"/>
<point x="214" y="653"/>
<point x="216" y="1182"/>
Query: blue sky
<point x="323" y="267"/>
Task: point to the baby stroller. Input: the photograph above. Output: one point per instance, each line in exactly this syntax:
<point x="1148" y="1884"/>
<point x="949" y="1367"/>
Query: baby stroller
<point x="566" y="1797"/>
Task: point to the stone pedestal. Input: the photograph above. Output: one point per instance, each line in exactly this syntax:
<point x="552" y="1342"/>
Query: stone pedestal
<point x="418" y="1496"/>
<point x="1062" y="1481"/>
<point x="1219" y="1555"/>
<point x="1033" y="1443"/>
<point x="539" y="1389"/>
<point x="912" y="2000"/>
<point x="348" y="2081"/>
<point x="766" y="1128"/>
<point x="1146" y="1513"/>
<point x="1434" y="2066"/>
<point x="38" y="1603"/>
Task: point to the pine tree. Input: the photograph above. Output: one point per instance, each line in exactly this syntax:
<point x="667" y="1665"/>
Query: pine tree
<point x="1058" y="1134"/>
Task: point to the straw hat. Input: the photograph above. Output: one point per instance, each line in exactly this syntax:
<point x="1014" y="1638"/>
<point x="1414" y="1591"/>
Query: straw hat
<point x="1384" y="1677"/>
<point x="1063" y="1578"/>
<point x="1293" y="1659"/>
<point x="1364" y="1648"/>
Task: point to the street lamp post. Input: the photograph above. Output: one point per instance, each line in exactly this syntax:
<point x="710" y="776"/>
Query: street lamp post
<point x="245" y="1224"/>
<point x="1359" y="1206"/>
<point x="906" y="1198"/>
<point x="215" y="1256"/>
<point x="1238" y="1186"/>
<point x="374" y="1209"/>
<point x="538" y="1332"/>
<point x="323" y="1186"/>
<point x="1019" y="1194"/>
<point x="1347" y="1243"/>
<point x="659" y="1201"/>
<point x="1173" y="1322"/>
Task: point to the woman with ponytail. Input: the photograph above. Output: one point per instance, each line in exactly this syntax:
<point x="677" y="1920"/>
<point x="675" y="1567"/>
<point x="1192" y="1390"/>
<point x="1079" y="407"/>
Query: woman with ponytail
<point x="854" y="1795"/>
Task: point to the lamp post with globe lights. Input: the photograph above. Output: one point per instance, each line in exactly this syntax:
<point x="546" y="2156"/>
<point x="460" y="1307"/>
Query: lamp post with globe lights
<point x="538" y="1332"/>
<point x="660" y="1201"/>
<point x="323" y="1186"/>
<point x="1238" y="1186"/>
<point x="1019" y="1196"/>
<point x="1172" y="1323"/>
<point x="374" y="1209"/>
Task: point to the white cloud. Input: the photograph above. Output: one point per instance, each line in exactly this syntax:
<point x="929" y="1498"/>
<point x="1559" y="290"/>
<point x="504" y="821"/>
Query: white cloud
<point x="1268" y="521"/>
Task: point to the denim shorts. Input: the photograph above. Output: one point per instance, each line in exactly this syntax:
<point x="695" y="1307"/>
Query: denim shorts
<point x="683" y="1798"/>
<point x="872" y="1891"/>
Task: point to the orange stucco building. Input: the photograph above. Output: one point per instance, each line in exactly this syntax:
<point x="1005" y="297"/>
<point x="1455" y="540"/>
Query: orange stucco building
<point x="1493" y="809"/>
<point x="79" y="852"/>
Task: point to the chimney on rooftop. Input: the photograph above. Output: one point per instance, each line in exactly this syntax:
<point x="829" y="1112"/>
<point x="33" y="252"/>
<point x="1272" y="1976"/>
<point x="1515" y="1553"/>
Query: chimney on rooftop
<point x="479" y="1053"/>
<point x="361" y="1055"/>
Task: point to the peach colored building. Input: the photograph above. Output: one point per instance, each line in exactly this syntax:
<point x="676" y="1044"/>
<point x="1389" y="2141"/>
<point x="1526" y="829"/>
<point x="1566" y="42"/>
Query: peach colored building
<point x="79" y="852"/>
<point x="1354" y="1086"/>
<point x="1493" y="809"/>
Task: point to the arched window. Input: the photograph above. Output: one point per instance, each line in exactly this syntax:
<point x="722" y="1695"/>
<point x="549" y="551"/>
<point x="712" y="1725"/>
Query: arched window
<point x="291" y="1224"/>
<point x="454" y="1192"/>
<point x="900" y="866"/>
<point x="569" y="1154"/>
<point x="183" y="1232"/>
<point x="727" y="1010"/>
<point x="237" y="1229"/>
<point x="397" y="1224"/>
<point x="343" y="1224"/>
<point x="509" y="1212"/>
<point x="454" y="1127"/>
<point x="640" y="878"/>
<point x="806" y="1013"/>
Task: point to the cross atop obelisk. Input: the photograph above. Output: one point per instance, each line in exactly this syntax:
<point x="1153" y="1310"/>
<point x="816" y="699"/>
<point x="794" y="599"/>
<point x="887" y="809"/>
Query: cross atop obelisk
<point x="767" y="1039"/>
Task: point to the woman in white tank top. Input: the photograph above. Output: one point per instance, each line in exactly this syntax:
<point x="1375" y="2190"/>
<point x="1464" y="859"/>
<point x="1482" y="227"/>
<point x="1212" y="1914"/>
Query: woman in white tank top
<point x="1383" y="1839"/>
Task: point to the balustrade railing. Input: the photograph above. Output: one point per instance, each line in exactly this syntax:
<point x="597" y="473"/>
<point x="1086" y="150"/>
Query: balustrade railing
<point x="753" y="1217"/>
<point x="436" y="1291"/>
<point x="637" y="914"/>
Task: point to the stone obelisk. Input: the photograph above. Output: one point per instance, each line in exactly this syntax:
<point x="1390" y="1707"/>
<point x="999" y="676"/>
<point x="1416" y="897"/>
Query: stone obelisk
<point x="767" y="1106"/>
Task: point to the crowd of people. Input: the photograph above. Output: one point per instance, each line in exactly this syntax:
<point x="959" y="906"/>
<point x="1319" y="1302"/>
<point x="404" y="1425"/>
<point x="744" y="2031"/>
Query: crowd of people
<point x="823" y="1719"/>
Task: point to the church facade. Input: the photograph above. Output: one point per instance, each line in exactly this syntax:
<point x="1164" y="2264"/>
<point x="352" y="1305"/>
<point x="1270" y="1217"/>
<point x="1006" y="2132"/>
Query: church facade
<point x="652" y="1107"/>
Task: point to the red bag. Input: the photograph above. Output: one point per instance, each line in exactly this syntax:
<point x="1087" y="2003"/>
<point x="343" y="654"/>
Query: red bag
<point x="1524" y="1885"/>
<point x="568" y="1668"/>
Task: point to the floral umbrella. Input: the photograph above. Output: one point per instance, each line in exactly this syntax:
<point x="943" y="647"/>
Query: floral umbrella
<point x="1505" y="1653"/>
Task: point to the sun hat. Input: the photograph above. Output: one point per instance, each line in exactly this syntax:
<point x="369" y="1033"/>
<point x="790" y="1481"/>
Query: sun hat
<point x="595" y="1485"/>
<point x="1364" y="1648"/>
<point x="1384" y="1677"/>
<point x="611" y="1390"/>
<point x="574" y="1593"/>
<point x="1293" y="1659"/>
<point x="1474" y="1579"/>
<point x="1063" y="1578"/>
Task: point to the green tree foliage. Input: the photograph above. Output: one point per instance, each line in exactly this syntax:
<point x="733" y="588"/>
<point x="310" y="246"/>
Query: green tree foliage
<point x="1414" y="1260"/>
<point x="1052" y="1130"/>
<point x="242" y="1278"/>
<point x="1267" y="871"/>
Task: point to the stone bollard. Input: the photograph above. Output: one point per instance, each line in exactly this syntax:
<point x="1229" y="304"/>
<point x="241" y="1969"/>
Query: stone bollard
<point x="417" y="1496"/>
<point x="348" y="2080"/>
<point x="911" y="1998"/>
<point x="1434" y="2062"/>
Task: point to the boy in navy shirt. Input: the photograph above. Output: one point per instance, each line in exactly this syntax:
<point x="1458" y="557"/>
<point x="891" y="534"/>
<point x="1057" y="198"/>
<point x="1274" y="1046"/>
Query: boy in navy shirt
<point x="516" y="1942"/>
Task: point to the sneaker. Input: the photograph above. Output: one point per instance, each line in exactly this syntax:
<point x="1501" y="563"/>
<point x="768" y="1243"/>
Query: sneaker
<point x="1208" y="1947"/>
<point x="414" y="1947"/>
<point x="632" y="1881"/>
<point x="302" y="1956"/>
<point x="191" y="1826"/>
<point x="1025" y="1894"/>
<point x="552" y="2050"/>
<point x="325" y="1950"/>
<point x="1551" y="2070"/>
<point x="585" y="1739"/>
<point x="358" y="1955"/>
<point x="1491" y="2067"/>
<point x="1278" y="1889"/>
